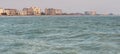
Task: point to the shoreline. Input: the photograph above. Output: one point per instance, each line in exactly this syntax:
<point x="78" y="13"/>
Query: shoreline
<point x="57" y="15"/>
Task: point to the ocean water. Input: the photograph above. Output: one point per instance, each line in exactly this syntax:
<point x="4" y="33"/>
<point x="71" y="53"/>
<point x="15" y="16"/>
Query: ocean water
<point x="60" y="35"/>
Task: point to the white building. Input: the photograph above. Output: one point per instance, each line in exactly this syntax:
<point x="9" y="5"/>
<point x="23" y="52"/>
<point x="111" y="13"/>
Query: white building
<point x="1" y="11"/>
<point x="31" y="11"/>
<point x="52" y="11"/>
<point x="58" y="11"/>
<point x="36" y="10"/>
<point x="23" y="13"/>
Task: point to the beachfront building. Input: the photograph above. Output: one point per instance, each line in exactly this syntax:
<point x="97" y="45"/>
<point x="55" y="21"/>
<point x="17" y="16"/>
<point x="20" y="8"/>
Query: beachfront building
<point x="52" y="11"/>
<point x="22" y="13"/>
<point x="11" y="12"/>
<point x="36" y="10"/>
<point x="87" y="13"/>
<point x="26" y="11"/>
<point x="49" y="11"/>
<point x="90" y="12"/>
<point x="1" y="11"/>
<point x="94" y="12"/>
<point x="31" y="11"/>
<point x="58" y="11"/>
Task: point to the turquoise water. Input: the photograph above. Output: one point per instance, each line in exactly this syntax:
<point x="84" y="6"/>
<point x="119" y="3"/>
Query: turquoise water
<point x="60" y="35"/>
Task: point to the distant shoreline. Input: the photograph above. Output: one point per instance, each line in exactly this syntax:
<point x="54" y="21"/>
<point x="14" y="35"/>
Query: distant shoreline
<point x="55" y="15"/>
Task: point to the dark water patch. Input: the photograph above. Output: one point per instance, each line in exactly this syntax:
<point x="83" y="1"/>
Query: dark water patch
<point x="41" y="31"/>
<point x="80" y="35"/>
<point x="62" y="48"/>
<point x="114" y="40"/>
<point x="117" y="25"/>
<point x="17" y="44"/>
<point x="21" y="53"/>
<point x="19" y="33"/>
<point x="90" y="48"/>
<point x="4" y="50"/>
<point x="36" y="31"/>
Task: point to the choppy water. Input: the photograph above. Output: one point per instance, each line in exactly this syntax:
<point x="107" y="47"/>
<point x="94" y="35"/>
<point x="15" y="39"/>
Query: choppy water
<point x="60" y="35"/>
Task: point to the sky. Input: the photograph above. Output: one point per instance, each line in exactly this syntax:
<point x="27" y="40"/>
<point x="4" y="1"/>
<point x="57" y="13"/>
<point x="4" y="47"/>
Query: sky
<point x="101" y="6"/>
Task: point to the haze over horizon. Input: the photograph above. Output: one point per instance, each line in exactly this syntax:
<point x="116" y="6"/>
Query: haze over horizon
<point x="101" y="6"/>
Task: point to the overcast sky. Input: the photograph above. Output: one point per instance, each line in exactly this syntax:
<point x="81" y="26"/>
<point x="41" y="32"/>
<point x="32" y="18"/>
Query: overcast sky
<point x="101" y="6"/>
